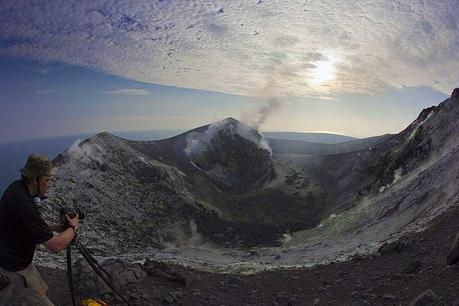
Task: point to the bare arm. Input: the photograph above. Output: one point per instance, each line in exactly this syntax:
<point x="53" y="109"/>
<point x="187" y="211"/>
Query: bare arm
<point x="62" y="240"/>
<point x="55" y="227"/>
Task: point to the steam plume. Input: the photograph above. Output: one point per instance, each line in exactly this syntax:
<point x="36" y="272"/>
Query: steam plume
<point x="264" y="112"/>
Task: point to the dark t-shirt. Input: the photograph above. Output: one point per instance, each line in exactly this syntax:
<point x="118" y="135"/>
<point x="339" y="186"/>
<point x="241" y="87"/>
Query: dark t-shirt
<point x="21" y="227"/>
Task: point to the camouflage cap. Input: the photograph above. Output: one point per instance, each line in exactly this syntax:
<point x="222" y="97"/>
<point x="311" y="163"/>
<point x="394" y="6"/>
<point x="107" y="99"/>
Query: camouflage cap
<point x="36" y="165"/>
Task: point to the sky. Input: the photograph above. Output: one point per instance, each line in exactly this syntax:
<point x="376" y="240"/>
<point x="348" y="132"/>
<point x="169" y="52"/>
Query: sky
<point x="358" y="68"/>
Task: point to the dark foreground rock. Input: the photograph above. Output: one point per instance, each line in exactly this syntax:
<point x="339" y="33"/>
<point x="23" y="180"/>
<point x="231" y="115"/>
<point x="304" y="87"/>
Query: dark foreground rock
<point x="121" y="276"/>
<point x="453" y="255"/>
<point x="427" y="298"/>
<point x="369" y="280"/>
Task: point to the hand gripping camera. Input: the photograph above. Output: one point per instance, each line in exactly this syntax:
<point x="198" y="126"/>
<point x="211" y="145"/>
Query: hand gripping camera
<point x="71" y="212"/>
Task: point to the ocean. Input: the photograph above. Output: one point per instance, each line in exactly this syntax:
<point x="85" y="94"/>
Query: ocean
<point x="13" y="155"/>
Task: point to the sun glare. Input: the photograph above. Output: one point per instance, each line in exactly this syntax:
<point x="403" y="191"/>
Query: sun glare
<point x="323" y="72"/>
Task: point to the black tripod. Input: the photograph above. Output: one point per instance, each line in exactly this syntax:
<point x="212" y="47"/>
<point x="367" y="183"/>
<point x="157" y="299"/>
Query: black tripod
<point x="94" y="265"/>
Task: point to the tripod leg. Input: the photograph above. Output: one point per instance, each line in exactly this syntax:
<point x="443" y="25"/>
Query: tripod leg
<point x="95" y="266"/>
<point x="69" y="274"/>
<point x="89" y="257"/>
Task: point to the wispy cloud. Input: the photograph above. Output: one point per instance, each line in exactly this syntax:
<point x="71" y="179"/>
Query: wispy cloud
<point x="328" y="98"/>
<point x="128" y="92"/>
<point x="306" y="47"/>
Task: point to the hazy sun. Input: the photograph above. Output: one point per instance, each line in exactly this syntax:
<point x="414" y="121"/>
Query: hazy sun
<point x="323" y="72"/>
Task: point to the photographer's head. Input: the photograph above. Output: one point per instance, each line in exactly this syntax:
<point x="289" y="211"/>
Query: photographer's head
<point x="37" y="174"/>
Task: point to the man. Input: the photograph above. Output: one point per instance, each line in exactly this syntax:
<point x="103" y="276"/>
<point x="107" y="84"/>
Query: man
<point x="22" y="227"/>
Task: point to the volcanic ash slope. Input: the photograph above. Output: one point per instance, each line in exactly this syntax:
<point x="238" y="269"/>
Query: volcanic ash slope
<point x="220" y="193"/>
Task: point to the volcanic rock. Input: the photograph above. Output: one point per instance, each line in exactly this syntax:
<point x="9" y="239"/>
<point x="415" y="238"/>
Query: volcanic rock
<point x="398" y="247"/>
<point x="121" y="275"/>
<point x="232" y="155"/>
<point x="413" y="267"/>
<point x="453" y="254"/>
<point x="455" y="94"/>
<point x="168" y="271"/>
<point x="427" y="298"/>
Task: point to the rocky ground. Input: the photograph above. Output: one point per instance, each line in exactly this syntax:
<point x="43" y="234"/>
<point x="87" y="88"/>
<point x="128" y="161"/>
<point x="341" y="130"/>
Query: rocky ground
<point x="395" y="275"/>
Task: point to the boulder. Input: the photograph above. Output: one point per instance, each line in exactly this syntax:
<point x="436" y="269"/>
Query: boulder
<point x="395" y="247"/>
<point x="162" y="269"/>
<point x="453" y="255"/>
<point x="121" y="276"/>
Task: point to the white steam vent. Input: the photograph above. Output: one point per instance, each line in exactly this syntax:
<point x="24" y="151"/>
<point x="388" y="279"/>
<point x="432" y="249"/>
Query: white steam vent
<point x="84" y="152"/>
<point x="199" y="142"/>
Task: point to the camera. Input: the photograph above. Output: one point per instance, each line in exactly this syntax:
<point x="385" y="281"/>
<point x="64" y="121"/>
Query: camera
<point x="71" y="212"/>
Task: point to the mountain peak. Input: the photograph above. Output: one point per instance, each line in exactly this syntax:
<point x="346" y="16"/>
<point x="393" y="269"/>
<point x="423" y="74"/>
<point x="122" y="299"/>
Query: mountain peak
<point x="232" y="154"/>
<point x="104" y="137"/>
<point x="233" y="125"/>
<point x="230" y="119"/>
<point x="103" y="134"/>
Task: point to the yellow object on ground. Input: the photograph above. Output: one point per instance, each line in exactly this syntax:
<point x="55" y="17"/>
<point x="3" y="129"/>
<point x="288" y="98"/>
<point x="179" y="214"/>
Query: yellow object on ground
<point x="93" y="302"/>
